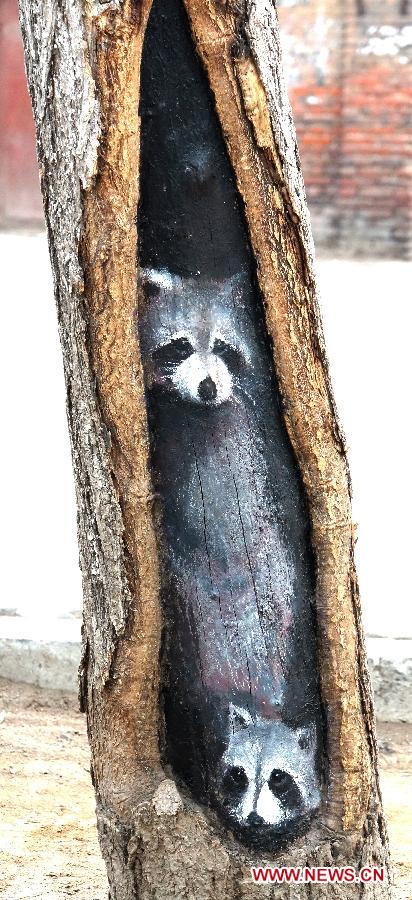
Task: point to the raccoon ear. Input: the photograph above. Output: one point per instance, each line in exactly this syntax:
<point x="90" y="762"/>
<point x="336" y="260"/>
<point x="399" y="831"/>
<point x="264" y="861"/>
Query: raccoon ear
<point x="156" y="281"/>
<point x="238" y="283"/>
<point x="307" y="737"/>
<point x="239" y="717"/>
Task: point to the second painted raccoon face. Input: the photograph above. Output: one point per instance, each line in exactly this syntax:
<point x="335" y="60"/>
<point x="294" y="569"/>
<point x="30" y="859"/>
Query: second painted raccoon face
<point x="267" y="776"/>
<point x="189" y="344"/>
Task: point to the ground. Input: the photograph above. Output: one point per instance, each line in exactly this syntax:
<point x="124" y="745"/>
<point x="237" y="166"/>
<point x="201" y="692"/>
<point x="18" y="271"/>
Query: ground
<point x="48" y="836"/>
<point x="47" y="833"/>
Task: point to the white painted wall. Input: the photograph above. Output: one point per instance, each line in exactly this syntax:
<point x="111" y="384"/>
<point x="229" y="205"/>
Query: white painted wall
<point x="367" y="314"/>
<point x="40" y="576"/>
<point x="367" y="310"/>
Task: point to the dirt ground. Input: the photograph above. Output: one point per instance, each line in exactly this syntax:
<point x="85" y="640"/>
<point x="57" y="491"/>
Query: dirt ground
<point x="47" y="825"/>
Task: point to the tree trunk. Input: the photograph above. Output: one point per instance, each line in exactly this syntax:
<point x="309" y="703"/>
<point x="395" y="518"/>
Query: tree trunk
<point x="83" y="65"/>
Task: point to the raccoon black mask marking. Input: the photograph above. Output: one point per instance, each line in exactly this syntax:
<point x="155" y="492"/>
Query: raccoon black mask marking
<point x="240" y="682"/>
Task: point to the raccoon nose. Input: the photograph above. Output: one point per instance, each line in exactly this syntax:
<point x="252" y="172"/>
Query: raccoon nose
<point x="255" y="819"/>
<point x="207" y="389"/>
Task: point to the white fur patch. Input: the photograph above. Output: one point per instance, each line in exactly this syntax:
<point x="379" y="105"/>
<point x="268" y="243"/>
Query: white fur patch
<point x="269" y="807"/>
<point x="162" y="278"/>
<point x="192" y="371"/>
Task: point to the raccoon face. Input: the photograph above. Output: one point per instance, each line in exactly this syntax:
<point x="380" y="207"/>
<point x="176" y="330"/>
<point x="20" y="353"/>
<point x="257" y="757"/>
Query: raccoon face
<point x="189" y="344"/>
<point x="267" y="775"/>
<point x="199" y="376"/>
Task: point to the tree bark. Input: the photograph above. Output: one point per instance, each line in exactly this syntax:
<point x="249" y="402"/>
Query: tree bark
<point x="83" y="67"/>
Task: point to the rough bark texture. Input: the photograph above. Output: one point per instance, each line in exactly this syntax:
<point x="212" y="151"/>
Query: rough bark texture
<point x="83" y="64"/>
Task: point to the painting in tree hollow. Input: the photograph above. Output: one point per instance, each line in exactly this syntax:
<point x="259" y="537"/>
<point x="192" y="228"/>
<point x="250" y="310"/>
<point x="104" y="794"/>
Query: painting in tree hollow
<point x="239" y="672"/>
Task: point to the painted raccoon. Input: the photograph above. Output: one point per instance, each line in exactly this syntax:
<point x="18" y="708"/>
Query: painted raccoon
<point x="239" y="661"/>
<point x="267" y="775"/>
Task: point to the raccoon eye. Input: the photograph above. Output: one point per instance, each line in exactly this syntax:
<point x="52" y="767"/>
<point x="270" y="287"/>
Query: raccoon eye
<point x="235" y="780"/>
<point x="230" y="355"/>
<point x="278" y="780"/>
<point x="173" y="353"/>
<point x="285" y="788"/>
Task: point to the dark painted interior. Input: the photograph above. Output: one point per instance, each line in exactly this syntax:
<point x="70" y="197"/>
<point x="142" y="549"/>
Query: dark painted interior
<point x="240" y="685"/>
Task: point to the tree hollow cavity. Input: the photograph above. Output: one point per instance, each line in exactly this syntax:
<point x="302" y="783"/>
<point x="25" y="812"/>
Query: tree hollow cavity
<point x="240" y="691"/>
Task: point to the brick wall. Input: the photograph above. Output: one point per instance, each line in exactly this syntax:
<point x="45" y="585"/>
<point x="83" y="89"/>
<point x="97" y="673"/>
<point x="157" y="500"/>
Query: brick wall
<point x="311" y="39"/>
<point x="349" y="72"/>
<point x="20" y="200"/>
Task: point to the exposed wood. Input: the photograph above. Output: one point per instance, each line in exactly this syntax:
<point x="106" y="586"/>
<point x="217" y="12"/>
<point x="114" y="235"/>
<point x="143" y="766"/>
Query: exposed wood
<point x="83" y="72"/>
